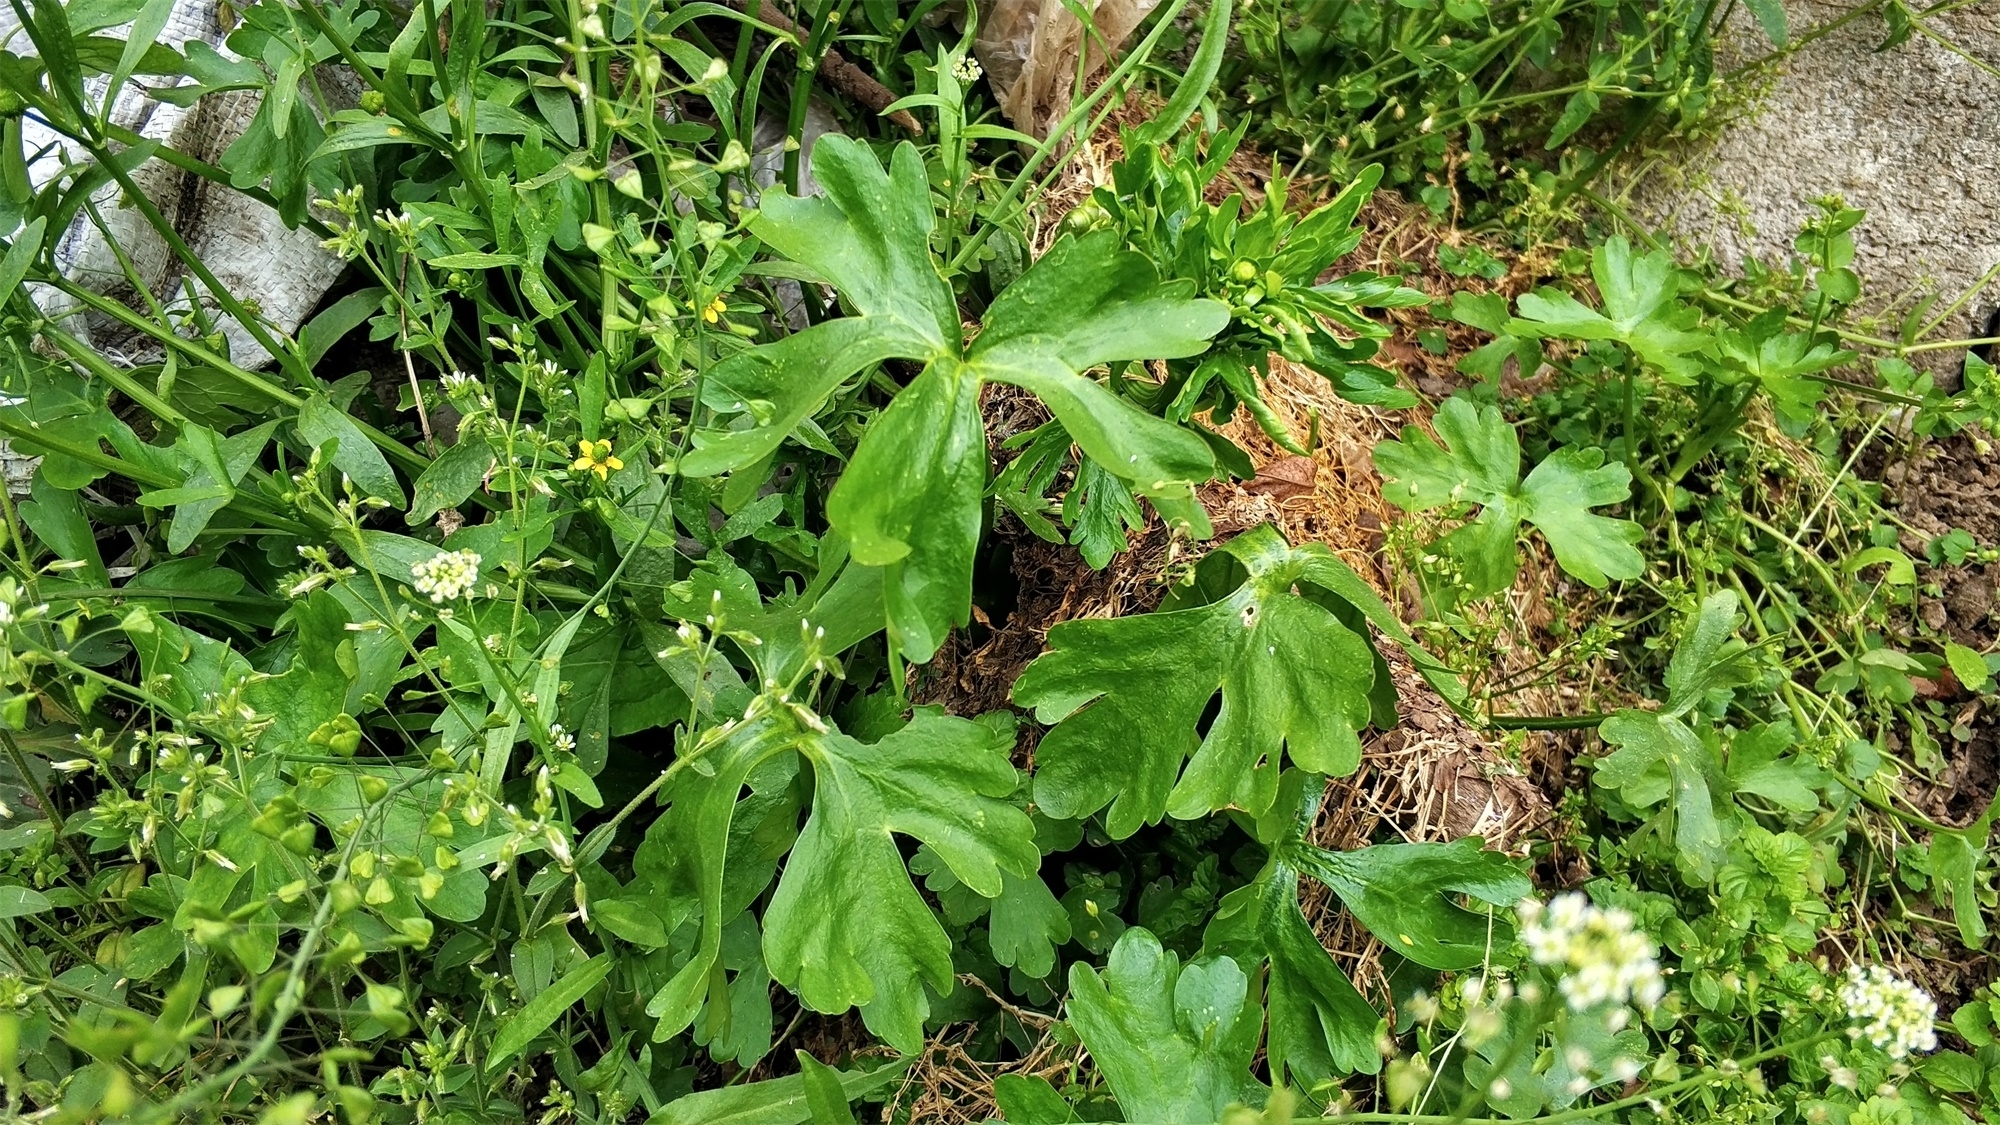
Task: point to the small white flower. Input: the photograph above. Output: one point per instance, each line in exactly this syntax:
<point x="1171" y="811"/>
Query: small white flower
<point x="563" y="741"/>
<point x="446" y="575"/>
<point x="1421" y="1007"/>
<point x="1603" y="959"/>
<point x="1895" y="1015"/>
<point x="1844" y="1077"/>
<point x="966" y="69"/>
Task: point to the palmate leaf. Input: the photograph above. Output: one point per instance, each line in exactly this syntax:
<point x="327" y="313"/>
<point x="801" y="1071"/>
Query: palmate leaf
<point x="1405" y="894"/>
<point x="1175" y="1042"/>
<point x="1127" y="696"/>
<point x="1641" y="310"/>
<point x="846" y="927"/>
<point x="909" y="502"/>
<point x="1780" y="361"/>
<point x="1480" y="463"/>
<point x="1273" y="628"/>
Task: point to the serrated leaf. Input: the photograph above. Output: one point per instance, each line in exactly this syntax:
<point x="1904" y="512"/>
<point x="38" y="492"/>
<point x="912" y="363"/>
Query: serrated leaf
<point x="1480" y="463"/>
<point x="1127" y="696"/>
<point x="1967" y="665"/>
<point x="1100" y="511"/>
<point x="1641" y="309"/>
<point x="1174" y="1042"/>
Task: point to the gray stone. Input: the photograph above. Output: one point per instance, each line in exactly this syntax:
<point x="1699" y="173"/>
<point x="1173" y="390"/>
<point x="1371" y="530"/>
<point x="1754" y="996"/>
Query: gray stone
<point x="1911" y="134"/>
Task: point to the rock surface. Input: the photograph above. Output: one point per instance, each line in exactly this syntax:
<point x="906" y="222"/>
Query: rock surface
<point x="1911" y="134"/>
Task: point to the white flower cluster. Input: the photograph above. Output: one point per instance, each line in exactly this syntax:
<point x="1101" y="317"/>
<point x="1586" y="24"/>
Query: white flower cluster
<point x="447" y="575"/>
<point x="1894" y="1014"/>
<point x="1600" y="956"/>
<point x="966" y="69"/>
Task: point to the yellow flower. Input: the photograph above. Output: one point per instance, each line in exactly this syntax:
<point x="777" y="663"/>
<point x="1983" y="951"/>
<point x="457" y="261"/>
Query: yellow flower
<point x="595" y="457"/>
<point x="713" y="313"/>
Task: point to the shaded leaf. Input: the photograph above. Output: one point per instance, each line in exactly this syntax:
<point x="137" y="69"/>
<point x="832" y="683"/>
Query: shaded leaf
<point x="1174" y="1042"/>
<point x="1128" y="694"/>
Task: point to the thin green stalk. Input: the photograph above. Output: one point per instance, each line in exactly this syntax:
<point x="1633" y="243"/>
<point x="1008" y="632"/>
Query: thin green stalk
<point x="42" y="798"/>
<point x="1162" y="23"/>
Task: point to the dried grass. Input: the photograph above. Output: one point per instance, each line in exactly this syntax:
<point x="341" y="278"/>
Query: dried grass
<point x="948" y="1086"/>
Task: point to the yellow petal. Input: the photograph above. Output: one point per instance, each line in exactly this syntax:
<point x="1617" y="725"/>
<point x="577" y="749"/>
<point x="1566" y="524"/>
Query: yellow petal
<point x="614" y="463"/>
<point x="581" y="463"/>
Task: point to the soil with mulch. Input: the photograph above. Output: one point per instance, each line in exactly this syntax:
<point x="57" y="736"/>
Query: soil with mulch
<point x="1941" y="486"/>
<point x="1434" y="777"/>
<point x="1935" y="487"/>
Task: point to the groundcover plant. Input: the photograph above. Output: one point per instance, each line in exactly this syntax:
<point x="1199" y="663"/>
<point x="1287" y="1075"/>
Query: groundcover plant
<point x="555" y="686"/>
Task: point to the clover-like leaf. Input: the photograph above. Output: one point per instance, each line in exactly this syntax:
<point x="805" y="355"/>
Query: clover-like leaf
<point x="1480" y="463"/>
<point x="1641" y="310"/>
<point x="1175" y="1042"/>
<point x="1128" y="695"/>
<point x="845" y="927"/>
